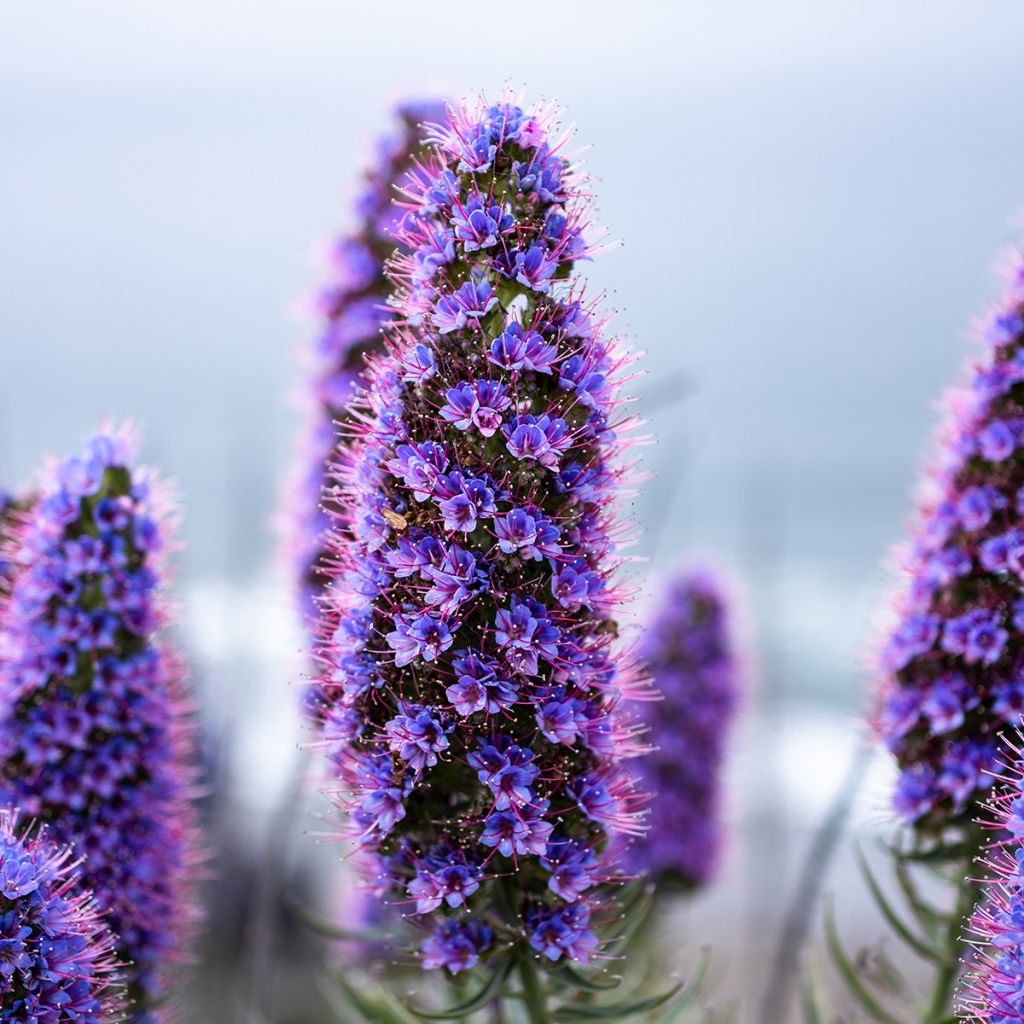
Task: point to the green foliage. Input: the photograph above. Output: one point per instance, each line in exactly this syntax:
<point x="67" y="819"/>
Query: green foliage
<point x="510" y="989"/>
<point x="933" y="935"/>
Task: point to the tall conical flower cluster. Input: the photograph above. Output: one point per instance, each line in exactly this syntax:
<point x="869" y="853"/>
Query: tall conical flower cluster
<point x="96" y="734"/>
<point x="993" y="990"/>
<point x="688" y="648"/>
<point x="352" y="312"/>
<point x="472" y="683"/>
<point x="952" y="664"/>
<point x="56" y="955"/>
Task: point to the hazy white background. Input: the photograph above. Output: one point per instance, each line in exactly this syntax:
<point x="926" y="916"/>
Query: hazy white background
<point x="810" y="195"/>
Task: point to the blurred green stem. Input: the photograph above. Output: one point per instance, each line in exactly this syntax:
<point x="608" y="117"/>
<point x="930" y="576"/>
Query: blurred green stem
<point x="533" y="991"/>
<point x="940" y="1006"/>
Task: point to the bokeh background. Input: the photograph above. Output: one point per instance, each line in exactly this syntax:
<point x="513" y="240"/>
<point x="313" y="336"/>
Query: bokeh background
<point x="811" y="196"/>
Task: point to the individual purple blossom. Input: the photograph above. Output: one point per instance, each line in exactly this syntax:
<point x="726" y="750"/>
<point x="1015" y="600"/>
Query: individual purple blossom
<point x="519" y="349"/>
<point x="468" y="303"/>
<point x="351" y="311"/>
<point x="464" y="500"/>
<point x="479" y="687"/>
<point x="563" y="932"/>
<point x="57" y="958"/>
<point x="417" y="736"/>
<point x="958" y="606"/>
<point x="443" y="877"/>
<point x="479" y="223"/>
<point x="543" y="439"/>
<point x="474" y="560"/>
<point x="479" y="404"/>
<point x="96" y="722"/>
<point x="425" y="636"/>
<point x="689" y="646"/>
<point x="456" y="945"/>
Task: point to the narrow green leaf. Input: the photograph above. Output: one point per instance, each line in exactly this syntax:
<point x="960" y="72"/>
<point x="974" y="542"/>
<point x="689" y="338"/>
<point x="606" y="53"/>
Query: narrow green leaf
<point x="942" y="854"/>
<point x="365" y="1010"/>
<point x="812" y="998"/>
<point x="809" y="1001"/>
<point x="917" y="944"/>
<point x="588" y="982"/>
<point x="693" y="991"/>
<point x="489" y="991"/>
<point x="636" y="906"/>
<point x="930" y="919"/>
<point x="853" y="982"/>
<point x="615" y="1011"/>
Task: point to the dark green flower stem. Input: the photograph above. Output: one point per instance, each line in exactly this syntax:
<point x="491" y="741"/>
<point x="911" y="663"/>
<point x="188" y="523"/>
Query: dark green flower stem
<point x="940" y="1005"/>
<point x="533" y="991"/>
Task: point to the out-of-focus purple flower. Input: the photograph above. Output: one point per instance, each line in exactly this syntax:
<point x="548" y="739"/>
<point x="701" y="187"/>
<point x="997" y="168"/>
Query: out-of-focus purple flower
<point x="12" y="515"/>
<point x="96" y="722"/>
<point x="472" y="691"/>
<point x="950" y="663"/>
<point x="689" y="648"/>
<point x="57" y="959"/>
<point x="352" y="313"/>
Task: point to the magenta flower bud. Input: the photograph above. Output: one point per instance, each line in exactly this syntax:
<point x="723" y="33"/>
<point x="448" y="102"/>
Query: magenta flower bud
<point x="96" y="728"/>
<point x="57" y="960"/>
<point x="471" y="701"/>
<point x="951" y="665"/>
<point x="992" y="992"/>
<point x="689" y="649"/>
<point x="352" y="311"/>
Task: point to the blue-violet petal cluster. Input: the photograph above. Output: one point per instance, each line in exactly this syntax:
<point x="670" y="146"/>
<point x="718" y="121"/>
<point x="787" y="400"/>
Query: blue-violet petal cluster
<point x="56" y="956"/>
<point x="689" y="649"/>
<point x="951" y="665"/>
<point x="472" y="698"/>
<point x="96" y="726"/>
<point x="351" y="311"/>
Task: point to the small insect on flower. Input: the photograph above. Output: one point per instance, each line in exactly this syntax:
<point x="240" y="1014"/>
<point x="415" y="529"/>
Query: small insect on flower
<point x="471" y="703"/>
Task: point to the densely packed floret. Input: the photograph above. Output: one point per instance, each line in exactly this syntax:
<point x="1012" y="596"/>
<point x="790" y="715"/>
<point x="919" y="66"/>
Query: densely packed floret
<point x="993" y="990"/>
<point x="56" y="955"/>
<point x="472" y="684"/>
<point x="351" y="311"/>
<point x="688" y="648"/>
<point x="952" y="664"/>
<point x="96" y="735"/>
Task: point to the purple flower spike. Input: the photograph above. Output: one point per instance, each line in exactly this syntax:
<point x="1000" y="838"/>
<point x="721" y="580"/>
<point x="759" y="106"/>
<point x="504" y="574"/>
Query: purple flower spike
<point x="950" y="665"/>
<point x="993" y="990"/>
<point x="57" y="960"/>
<point x="96" y="723"/>
<point x="472" y="692"/>
<point x="689" y="650"/>
<point x="352" y="313"/>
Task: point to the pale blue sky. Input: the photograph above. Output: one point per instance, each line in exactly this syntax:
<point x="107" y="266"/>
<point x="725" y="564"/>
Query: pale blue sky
<point x="810" y="195"/>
